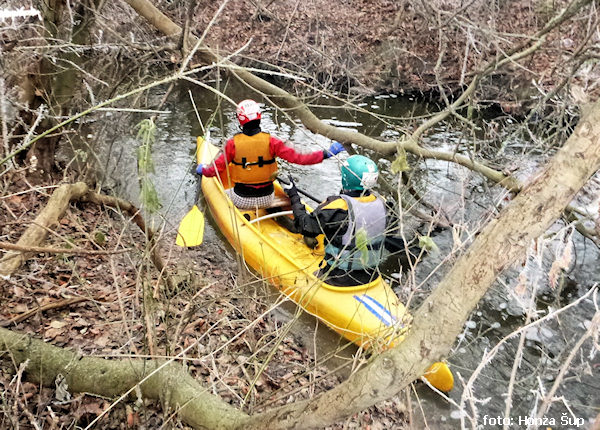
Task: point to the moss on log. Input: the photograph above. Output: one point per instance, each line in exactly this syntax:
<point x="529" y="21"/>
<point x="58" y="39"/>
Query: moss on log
<point x="162" y="380"/>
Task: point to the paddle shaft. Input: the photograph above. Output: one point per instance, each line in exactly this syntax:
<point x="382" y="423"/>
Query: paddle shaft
<point x="199" y="159"/>
<point x="271" y="215"/>
<point x="314" y="199"/>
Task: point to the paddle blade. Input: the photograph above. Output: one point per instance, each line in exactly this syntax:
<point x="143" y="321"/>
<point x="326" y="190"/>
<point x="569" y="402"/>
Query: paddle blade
<point x="200" y="157"/>
<point x="191" y="228"/>
<point x="440" y="376"/>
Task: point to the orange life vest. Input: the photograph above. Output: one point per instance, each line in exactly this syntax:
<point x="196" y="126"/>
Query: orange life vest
<point x="253" y="162"/>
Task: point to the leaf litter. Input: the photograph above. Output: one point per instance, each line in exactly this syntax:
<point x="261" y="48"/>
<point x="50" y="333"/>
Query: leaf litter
<point x="228" y="323"/>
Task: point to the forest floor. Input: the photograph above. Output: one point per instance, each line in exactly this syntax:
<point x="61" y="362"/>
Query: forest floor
<point x="216" y="321"/>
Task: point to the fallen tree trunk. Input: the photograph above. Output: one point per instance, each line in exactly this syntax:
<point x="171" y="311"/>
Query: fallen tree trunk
<point x="35" y="235"/>
<point x="442" y="316"/>
<point x="164" y="381"/>
<point x="48" y="306"/>
<point x="37" y="232"/>
<point x="44" y="250"/>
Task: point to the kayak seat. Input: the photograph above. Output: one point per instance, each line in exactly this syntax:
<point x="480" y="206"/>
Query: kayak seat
<point x="283" y="203"/>
<point x="280" y="202"/>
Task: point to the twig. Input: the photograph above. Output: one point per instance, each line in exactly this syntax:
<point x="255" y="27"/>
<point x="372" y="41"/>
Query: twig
<point x="121" y="306"/>
<point x="41" y="249"/>
<point x="419" y="403"/>
<point x="287" y="29"/>
<point x="48" y="306"/>
<point x="136" y="217"/>
<point x="515" y="367"/>
<point x="3" y="116"/>
<point x="486" y="359"/>
<point x="566" y="365"/>
<point x="75" y="117"/>
<point x="187" y="313"/>
<point x="201" y="39"/>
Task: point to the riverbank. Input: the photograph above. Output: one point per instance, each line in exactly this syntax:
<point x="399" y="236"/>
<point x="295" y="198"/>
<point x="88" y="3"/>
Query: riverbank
<point x="366" y="47"/>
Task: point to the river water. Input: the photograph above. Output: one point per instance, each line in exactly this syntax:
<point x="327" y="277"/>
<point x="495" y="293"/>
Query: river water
<point x="464" y="197"/>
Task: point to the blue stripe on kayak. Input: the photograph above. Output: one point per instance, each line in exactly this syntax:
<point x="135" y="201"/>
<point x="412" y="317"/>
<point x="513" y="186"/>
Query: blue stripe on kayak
<point x="376" y="309"/>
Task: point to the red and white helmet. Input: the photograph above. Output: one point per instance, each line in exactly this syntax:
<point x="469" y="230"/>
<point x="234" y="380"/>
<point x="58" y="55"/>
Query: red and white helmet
<point x="248" y="110"/>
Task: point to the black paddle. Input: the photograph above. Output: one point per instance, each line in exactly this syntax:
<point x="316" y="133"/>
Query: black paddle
<point x="286" y="182"/>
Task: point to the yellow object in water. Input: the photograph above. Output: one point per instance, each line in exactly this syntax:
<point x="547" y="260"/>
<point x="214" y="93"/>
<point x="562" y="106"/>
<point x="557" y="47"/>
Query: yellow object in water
<point x="440" y="376"/>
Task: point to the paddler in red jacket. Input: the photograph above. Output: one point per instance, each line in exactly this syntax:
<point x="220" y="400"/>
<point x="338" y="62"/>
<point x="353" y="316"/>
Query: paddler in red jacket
<point x="251" y="157"/>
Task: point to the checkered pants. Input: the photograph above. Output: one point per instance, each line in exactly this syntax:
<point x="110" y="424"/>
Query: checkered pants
<point x="250" y="202"/>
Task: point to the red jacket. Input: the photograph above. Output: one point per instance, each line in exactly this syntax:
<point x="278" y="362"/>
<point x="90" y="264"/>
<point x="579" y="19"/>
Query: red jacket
<point x="278" y="149"/>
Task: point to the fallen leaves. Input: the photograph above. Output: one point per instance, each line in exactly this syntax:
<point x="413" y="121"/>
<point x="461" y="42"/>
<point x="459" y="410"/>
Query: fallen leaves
<point x="55" y="328"/>
<point x="231" y="345"/>
<point x="133" y="418"/>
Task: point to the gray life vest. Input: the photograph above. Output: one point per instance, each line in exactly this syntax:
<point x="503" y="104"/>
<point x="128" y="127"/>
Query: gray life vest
<point x="361" y="246"/>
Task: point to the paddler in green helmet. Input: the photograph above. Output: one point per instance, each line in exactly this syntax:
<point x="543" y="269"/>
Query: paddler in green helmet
<point x="354" y="224"/>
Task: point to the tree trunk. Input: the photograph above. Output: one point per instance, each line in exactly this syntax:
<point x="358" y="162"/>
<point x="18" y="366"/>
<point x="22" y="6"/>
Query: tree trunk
<point x="167" y="382"/>
<point x="57" y="80"/>
<point x="441" y="318"/>
<point x="37" y="232"/>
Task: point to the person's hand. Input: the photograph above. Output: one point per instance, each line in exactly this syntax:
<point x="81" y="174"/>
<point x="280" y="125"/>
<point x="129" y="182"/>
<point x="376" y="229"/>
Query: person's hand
<point x="199" y="169"/>
<point x="334" y="149"/>
<point x="289" y="187"/>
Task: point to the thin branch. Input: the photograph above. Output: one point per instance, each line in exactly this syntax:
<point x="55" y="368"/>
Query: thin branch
<point x="48" y="306"/>
<point x="591" y="331"/>
<point x="41" y="250"/>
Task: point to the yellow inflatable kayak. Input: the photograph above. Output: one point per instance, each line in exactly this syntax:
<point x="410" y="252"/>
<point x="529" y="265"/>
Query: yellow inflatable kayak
<point x="369" y="315"/>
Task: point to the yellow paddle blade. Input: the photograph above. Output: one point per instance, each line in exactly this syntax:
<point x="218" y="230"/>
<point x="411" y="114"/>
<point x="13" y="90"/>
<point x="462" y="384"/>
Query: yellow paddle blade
<point x="199" y="142"/>
<point x="440" y="376"/>
<point x="191" y="228"/>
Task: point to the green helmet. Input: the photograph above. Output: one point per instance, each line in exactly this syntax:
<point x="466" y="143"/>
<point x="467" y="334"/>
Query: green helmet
<point x="358" y="173"/>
